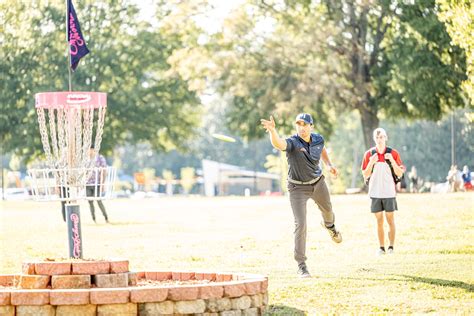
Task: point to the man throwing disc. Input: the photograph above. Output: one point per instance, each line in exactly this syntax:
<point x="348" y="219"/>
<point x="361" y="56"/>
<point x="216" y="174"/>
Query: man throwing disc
<point x="305" y="180"/>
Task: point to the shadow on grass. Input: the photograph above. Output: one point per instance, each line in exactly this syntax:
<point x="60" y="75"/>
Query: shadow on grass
<point x="440" y="282"/>
<point x="451" y="283"/>
<point x="283" y="310"/>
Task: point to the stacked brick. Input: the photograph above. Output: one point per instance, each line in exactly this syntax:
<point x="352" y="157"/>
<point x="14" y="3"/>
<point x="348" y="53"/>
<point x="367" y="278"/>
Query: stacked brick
<point x="109" y="288"/>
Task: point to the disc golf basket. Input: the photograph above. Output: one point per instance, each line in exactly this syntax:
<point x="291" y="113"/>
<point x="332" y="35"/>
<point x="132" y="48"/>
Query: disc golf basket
<point x="71" y="126"/>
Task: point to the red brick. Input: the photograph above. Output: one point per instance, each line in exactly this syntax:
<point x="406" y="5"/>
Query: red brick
<point x="176" y="276"/>
<point x="111" y="280"/>
<point x="252" y="287"/>
<point x="4" y="297"/>
<point x="76" y="310"/>
<point x="53" y="268"/>
<point x="91" y="267"/>
<point x="183" y="293"/>
<point x="34" y="281"/>
<point x="7" y="279"/>
<point x="182" y="276"/>
<point x="132" y="279"/>
<point x="7" y="310"/>
<point x="158" y="276"/>
<point x="118" y="266"/>
<point x="205" y="276"/>
<point x="211" y="291"/>
<point x="71" y="281"/>
<point x="150" y="275"/>
<point x="30" y="297"/>
<point x="264" y="285"/>
<point x="234" y="289"/>
<point x="29" y="310"/>
<point x="69" y="297"/>
<point x="28" y="268"/>
<point x="128" y="309"/>
<point x="163" y="276"/>
<point x="140" y="275"/>
<point x="220" y="277"/>
<point x="146" y="294"/>
<point x="109" y="296"/>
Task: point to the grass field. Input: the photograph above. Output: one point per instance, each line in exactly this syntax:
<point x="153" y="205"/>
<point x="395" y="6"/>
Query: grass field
<point x="431" y="271"/>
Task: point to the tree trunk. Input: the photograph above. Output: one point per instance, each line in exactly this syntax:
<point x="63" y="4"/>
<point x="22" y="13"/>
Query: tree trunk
<point x="369" y="122"/>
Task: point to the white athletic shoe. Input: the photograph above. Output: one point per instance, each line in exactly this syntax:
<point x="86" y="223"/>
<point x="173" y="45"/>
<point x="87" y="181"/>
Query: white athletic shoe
<point x="380" y="252"/>
<point x="334" y="233"/>
<point x="303" y="271"/>
<point x="390" y="251"/>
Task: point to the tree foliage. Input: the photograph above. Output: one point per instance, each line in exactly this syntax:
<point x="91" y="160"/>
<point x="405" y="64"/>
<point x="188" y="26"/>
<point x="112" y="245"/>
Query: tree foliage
<point x="458" y="15"/>
<point x="383" y="59"/>
<point x="128" y="60"/>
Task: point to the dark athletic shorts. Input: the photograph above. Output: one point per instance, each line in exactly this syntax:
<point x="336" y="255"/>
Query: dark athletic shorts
<point x="387" y="205"/>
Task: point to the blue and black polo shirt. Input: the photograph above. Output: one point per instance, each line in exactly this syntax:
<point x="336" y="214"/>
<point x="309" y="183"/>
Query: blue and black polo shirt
<point x="303" y="158"/>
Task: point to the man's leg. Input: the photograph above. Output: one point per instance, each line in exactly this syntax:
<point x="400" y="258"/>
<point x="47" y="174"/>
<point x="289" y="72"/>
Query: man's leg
<point x="380" y="232"/>
<point x="391" y="224"/>
<point x="90" y="192"/>
<point x="91" y="206"/>
<point x="323" y="200"/>
<point x="102" y="208"/>
<point x="298" y="200"/>
<point x="63" y="210"/>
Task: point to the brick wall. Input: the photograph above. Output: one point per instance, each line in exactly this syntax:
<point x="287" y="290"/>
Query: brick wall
<point x="107" y="287"/>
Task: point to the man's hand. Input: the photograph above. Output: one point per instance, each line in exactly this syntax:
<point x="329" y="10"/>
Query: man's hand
<point x="333" y="170"/>
<point x="390" y="157"/>
<point x="268" y="125"/>
<point x="373" y="159"/>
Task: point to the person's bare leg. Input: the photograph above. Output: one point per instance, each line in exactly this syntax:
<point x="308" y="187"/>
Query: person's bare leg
<point x="380" y="232"/>
<point x="391" y="224"/>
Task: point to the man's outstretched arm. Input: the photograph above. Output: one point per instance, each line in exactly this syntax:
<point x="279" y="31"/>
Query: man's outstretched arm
<point x="277" y="142"/>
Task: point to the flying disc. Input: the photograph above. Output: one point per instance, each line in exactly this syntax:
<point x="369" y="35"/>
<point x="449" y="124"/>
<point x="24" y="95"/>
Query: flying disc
<point x="224" y="138"/>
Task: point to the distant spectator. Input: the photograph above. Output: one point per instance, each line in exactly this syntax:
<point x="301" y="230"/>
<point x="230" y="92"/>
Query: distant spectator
<point x="95" y="182"/>
<point x="402" y="185"/>
<point x="454" y="179"/>
<point x="466" y="178"/>
<point x="413" y="177"/>
<point x="377" y="166"/>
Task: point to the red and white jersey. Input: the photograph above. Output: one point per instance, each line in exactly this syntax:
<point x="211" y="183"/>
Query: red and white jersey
<point x="381" y="184"/>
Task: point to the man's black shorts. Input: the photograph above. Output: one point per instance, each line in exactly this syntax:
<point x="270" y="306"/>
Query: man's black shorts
<point x="384" y="204"/>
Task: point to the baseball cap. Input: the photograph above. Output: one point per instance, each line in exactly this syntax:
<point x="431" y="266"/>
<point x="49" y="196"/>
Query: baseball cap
<point x="305" y="117"/>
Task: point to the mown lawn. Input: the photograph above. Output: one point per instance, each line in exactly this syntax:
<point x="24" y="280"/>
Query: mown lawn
<point x="431" y="271"/>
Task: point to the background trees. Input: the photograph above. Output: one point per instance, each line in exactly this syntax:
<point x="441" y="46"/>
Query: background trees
<point x="173" y="80"/>
<point x="379" y="58"/>
<point x="128" y="60"/>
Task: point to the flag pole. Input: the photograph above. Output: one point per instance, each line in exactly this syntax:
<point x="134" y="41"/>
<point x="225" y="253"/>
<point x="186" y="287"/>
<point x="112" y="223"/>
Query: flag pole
<point x="68" y="48"/>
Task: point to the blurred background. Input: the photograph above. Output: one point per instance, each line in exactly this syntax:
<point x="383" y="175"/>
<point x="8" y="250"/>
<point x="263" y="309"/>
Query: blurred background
<point x="178" y="71"/>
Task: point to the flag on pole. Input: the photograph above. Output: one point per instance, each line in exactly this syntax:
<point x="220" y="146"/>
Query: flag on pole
<point x="77" y="44"/>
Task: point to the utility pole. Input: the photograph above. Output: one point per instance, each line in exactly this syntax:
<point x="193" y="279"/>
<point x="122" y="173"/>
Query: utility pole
<point x="453" y="142"/>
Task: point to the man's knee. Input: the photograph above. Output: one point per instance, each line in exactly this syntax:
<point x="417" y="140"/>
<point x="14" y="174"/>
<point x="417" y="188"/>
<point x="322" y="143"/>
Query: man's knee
<point x="300" y="226"/>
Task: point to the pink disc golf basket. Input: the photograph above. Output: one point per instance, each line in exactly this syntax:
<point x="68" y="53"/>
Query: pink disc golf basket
<point x="68" y="122"/>
<point x="71" y="125"/>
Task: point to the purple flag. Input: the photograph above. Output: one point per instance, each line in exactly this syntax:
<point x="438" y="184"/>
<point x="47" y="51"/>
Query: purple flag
<point x="77" y="45"/>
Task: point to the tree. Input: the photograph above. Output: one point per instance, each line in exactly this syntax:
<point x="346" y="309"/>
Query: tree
<point x="458" y="16"/>
<point x="128" y="60"/>
<point x="379" y="58"/>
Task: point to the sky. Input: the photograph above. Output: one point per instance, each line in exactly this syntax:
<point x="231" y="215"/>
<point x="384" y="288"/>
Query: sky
<point x="211" y="23"/>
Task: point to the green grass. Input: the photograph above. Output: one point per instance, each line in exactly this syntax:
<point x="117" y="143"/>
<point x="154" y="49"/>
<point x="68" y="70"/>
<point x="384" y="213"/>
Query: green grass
<point x="431" y="271"/>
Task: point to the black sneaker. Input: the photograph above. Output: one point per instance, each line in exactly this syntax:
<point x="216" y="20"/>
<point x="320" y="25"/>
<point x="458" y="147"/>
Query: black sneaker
<point x="333" y="232"/>
<point x="303" y="271"/>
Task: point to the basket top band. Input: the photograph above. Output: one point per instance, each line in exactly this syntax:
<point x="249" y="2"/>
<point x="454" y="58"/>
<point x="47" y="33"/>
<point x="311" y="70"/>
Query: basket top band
<point x="70" y="99"/>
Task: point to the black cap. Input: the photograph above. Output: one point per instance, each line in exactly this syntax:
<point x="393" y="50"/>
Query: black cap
<point x="305" y="117"/>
